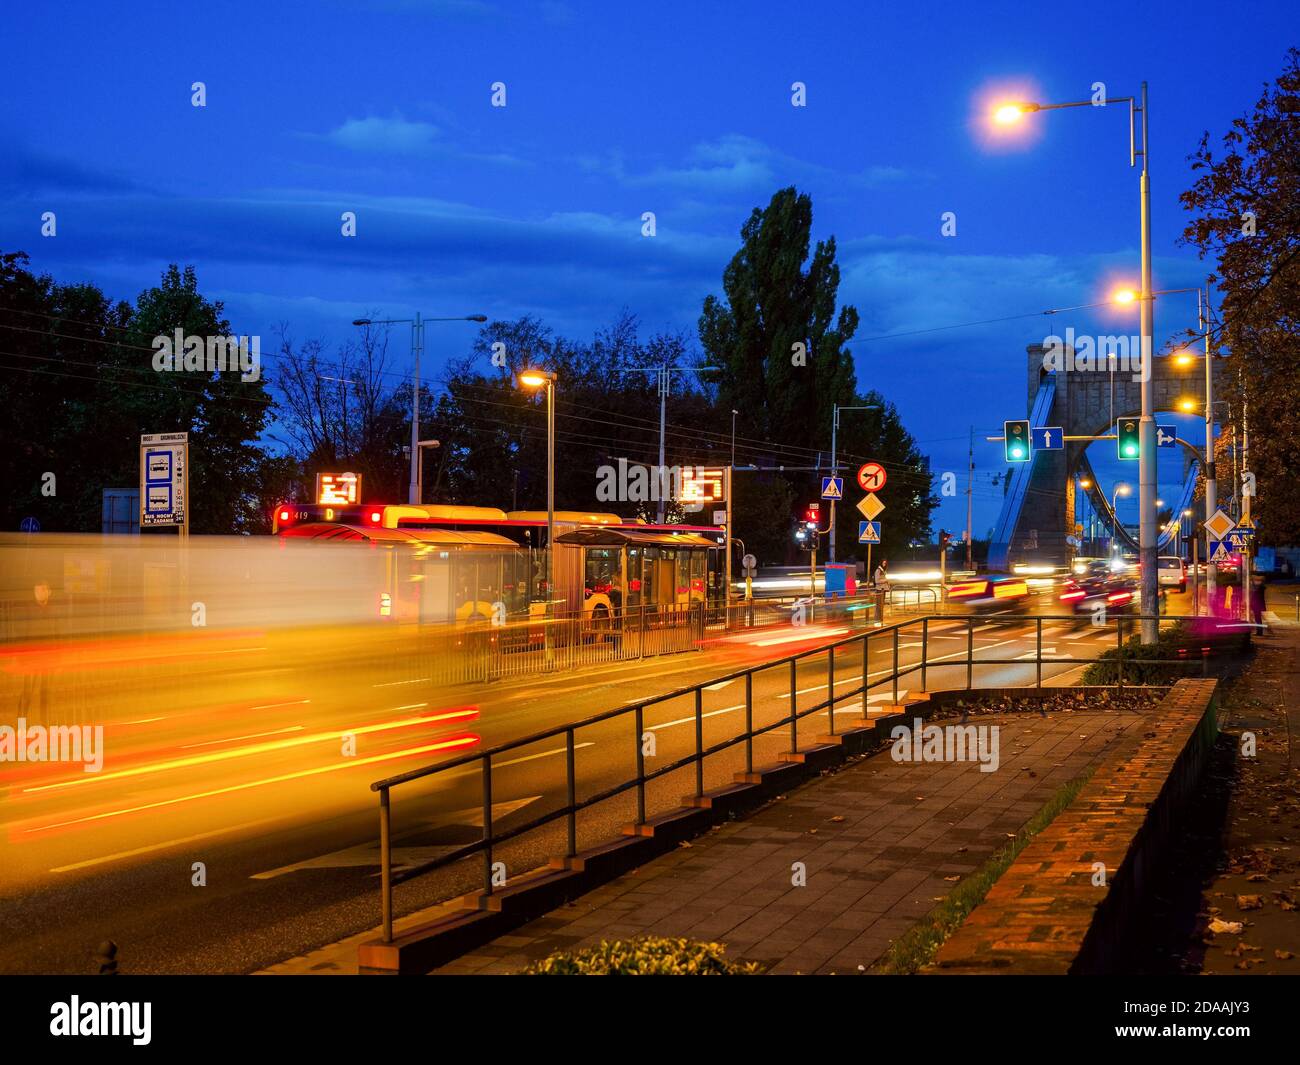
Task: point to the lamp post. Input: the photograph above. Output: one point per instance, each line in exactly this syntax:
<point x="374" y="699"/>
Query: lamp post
<point x="835" y="430"/>
<point x="547" y="379"/>
<point x="1010" y="113"/>
<point x="1121" y="489"/>
<point x="417" y="348"/>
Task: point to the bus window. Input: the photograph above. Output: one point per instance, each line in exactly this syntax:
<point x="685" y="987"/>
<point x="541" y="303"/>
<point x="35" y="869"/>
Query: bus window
<point x="699" y="561"/>
<point x="435" y="589"/>
<point x="603" y="574"/>
<point x="514" y="582"/>
<point x="633" y="577"/>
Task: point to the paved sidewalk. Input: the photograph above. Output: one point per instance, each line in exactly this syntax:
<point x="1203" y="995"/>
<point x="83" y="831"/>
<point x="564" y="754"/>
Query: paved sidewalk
<point x="1257" y="885"/>
<point x="881" y="841"/>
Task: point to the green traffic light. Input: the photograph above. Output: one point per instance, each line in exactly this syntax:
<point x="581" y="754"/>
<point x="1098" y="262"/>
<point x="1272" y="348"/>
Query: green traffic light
<point x="1130" y="450"/>
<point x="1017" y="453"/>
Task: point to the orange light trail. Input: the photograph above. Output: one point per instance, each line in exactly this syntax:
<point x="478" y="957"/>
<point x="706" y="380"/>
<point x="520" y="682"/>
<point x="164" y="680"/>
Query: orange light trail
<point x="467" y="740"/>
<point x="257" y="748"/>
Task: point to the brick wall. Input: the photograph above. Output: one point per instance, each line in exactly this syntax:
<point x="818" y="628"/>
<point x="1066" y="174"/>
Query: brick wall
<point x="1045" y="914"/>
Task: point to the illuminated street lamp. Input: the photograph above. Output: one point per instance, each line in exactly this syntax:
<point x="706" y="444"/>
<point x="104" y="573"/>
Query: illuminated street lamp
<point x="535" y="379"/>
<point x="1008" y="114"/>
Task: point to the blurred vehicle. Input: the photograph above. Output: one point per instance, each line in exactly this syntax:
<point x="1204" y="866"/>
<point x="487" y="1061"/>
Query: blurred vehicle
<point x="1098" y="588"/>
<point x="985" y="594"/>
<point x="1170" y="572"/>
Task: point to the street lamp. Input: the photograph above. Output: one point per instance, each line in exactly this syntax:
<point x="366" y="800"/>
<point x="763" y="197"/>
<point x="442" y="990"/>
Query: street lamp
<point x="535" y="379"/>
<point x="1010" y="113"/>
<point x="417" y="347"/>
<point x="1121" y="489"/>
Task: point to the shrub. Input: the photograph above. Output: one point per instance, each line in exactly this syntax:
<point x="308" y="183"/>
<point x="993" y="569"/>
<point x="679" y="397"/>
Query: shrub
<point x="643" y="956"/>
<point x="1139" y="667"/>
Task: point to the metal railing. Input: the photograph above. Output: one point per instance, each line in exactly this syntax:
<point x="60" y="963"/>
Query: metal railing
<point x="855" y="651"/>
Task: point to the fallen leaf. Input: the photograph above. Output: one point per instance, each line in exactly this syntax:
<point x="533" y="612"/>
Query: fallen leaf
<point x="1249" y="902"/>
<point x="1231" y="927"/>
<point x="1283" y="955"/>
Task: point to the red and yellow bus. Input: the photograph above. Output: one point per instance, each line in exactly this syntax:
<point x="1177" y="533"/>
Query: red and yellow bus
<point x="461" y="564"/>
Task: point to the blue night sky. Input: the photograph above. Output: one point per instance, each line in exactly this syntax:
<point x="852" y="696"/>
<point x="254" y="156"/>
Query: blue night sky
<point x="383" y="108"/>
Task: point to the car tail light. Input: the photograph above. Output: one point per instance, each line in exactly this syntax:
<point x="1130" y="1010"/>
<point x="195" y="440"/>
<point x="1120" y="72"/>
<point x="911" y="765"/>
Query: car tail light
<point x="1119" y="597"/>
<point x="1072" y="594"/>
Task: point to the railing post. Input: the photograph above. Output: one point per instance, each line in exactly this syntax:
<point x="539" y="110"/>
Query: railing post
<point x="487" y="825"/>
<point x="895" y="665"/>
<point x="866" y="666"/>
<point x="1038" y="682"/>
<point x="970" y="651"/>
<point x="749" y="722"/>
<point x="699" y="742"/>
<point x="640" y="765"/>
<point x="572" y="795"/>
<point x="925" y="649"/>
<point x="794" y="717"/>
<point x="641" y="648"/>
<point x="386" y="863"/>
<point x="830" y="686"/>
<point x="1119" y="650"/>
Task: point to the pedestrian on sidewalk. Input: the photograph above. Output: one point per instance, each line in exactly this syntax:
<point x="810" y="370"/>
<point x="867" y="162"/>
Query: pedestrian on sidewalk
<point x="881" y="578"/>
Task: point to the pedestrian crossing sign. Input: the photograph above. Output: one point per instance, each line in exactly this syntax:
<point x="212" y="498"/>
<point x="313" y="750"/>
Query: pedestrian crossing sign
<point x="868" y="532"/>
<point x="832" y="487"/>
<point x="1219" y="551"/>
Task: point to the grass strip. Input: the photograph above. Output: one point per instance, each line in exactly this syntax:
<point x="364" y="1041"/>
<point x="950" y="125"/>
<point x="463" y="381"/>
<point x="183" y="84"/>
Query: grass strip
<point x="917" y="947"/>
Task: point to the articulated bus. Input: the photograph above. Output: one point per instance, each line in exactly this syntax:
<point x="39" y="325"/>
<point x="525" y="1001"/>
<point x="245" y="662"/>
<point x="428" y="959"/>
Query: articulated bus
<point x="464" y="565"/>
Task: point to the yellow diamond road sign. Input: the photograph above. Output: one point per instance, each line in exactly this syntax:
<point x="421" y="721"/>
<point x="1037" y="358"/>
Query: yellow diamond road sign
<point x="1219" y="525"/>
<point x="871" y="506"/>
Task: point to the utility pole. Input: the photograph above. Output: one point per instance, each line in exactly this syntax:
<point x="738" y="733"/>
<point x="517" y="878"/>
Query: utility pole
<point x="1147" y="425"/>
<point x="835" y="430"/>
<point x="1211" y="485"/>
<point x="970" y="487"/>
<point x="663" y="376"/>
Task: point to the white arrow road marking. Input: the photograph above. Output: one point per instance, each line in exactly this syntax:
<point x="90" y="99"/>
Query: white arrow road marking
<point x="1031" y="655"/>
<point x="367" y="854"/>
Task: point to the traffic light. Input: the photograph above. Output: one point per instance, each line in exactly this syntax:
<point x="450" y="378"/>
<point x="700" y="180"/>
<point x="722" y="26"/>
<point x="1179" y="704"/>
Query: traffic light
<point x="812" y="515"/>
<point x="945" y="538"/>
<point x="1016" y="440"/>
<point x="1126" y="438"/>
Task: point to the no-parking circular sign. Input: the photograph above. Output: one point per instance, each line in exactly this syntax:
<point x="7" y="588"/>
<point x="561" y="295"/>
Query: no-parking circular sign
<point x="871" y="477"/>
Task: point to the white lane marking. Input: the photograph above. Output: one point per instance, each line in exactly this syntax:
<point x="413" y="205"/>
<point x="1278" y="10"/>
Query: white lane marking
<point x="720" y="685"/>
<point x="272" y="706"/>
<point x="1085" y="634"/>
<point x="166" y="843"/>
<point x="395" y="683"/>
<point x="518" y="761"/>
<point x="1031" y="655"/>
<point x="367" y="854"/>
<point x="691" y="719"/>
